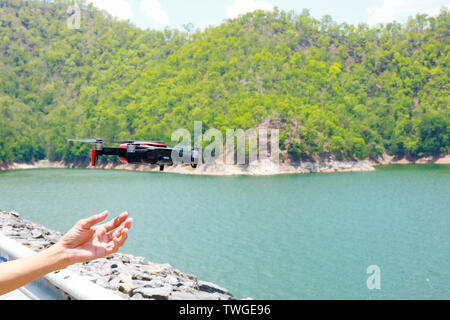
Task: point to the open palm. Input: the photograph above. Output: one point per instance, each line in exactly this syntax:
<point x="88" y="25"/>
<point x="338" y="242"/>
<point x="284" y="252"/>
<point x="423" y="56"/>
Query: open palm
<point x="85" y="241"/>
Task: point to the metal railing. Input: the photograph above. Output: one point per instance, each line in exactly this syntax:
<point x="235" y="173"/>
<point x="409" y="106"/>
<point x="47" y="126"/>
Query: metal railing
<point x="62" y="285"/>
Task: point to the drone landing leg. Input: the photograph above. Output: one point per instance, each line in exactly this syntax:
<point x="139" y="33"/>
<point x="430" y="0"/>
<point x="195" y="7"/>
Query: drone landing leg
<point x="161" y="168"/>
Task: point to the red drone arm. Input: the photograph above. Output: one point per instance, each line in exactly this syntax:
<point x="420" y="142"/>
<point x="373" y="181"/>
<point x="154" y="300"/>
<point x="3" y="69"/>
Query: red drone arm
<point x="94" y="157"/>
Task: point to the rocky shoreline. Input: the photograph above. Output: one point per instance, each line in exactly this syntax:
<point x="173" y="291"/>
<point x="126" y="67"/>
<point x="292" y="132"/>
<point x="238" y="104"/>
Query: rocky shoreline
<point x="391" y="160"/>
<point x="131" y="277"/>
<point x="258" y="168"/>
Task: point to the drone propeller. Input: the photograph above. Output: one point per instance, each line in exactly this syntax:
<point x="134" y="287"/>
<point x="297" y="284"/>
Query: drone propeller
<point x="86" y="140"/>
<point x="136" y="142"/>
<point x="115" y="141"/>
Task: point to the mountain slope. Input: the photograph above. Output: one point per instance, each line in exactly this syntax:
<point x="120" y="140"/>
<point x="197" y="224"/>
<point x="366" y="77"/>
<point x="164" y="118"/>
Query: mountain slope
<point x="341" y="90"/>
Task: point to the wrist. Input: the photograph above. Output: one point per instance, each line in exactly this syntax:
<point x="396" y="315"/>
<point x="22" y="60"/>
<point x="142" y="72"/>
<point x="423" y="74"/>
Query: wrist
<point x="58" y="257"/>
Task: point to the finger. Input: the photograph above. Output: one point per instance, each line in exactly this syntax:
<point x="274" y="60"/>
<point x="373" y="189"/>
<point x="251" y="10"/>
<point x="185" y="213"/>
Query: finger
<point x="113" y="224"/>
<point x="120" y="237"/>
<point x="112" y="247"/>
<point x="123" y="237"/>
<point x="89" y="222"/>
<point x="126" y="225"/>
<point x="117" y="242"/>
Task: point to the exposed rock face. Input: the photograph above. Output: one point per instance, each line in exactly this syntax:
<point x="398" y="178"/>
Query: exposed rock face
<point x="387" y="160"/>
<point x="129" y="276"/>
<point x="267" y="168"/>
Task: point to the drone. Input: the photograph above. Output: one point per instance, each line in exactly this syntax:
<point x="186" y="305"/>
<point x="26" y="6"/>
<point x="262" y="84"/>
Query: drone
<point x="139" y="152"/>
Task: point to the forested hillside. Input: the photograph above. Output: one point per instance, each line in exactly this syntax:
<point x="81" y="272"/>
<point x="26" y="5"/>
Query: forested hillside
<point x="333" y="89"/>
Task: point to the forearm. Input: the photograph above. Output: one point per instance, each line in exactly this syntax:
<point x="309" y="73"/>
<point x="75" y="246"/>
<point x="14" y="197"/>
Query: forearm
<point x="83" y="242"/>
<point x="17" y="273"/>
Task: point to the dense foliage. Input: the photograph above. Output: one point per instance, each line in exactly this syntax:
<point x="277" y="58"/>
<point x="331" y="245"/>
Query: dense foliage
<point x="332" y="89"/>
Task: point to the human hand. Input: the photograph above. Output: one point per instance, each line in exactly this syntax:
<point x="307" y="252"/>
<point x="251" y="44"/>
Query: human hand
<point x="86" y="242"/>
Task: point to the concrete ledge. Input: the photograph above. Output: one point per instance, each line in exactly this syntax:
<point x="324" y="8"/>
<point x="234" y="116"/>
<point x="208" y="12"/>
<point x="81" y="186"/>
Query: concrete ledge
<point x="62" y="285"/>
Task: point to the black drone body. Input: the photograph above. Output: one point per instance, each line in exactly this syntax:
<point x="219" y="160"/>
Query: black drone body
<point x="138" y="152"/>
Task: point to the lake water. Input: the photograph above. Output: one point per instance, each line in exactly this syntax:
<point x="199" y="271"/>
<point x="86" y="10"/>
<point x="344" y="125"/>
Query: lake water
<point x="283" y="237"/>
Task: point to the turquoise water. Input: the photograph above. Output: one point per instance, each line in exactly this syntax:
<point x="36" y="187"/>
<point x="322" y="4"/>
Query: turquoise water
<point x="283" y="237"/>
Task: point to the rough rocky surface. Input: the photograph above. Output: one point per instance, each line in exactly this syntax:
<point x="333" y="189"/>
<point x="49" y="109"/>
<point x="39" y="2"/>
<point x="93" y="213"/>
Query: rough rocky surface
<point x="129" y="276"/>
